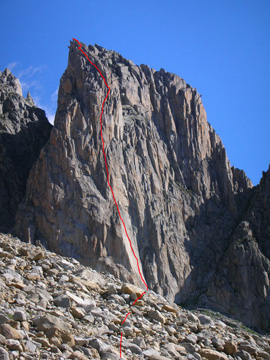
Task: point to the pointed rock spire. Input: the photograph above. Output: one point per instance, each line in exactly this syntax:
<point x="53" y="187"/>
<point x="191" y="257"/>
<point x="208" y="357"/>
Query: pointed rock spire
<point x="30" y="99"/>
<point x="7" y="72"/>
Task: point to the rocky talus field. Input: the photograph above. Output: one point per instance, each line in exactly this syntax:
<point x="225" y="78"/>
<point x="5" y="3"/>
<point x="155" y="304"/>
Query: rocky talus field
<point x="51" y="307"/>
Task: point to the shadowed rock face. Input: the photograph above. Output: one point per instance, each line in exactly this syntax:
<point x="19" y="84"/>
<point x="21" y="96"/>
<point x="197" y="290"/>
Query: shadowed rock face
<point x="177" y="192"/>
<point x="241" y="281"/>
<point x="24" y="129"/>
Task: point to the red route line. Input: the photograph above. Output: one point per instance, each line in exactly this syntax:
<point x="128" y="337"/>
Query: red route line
<point x="120" y="345"/>
<point x="125" y="318"/>
<point x="102" y="109"/>
<point x="105" y="159"/>
<point x="139" y="298"/>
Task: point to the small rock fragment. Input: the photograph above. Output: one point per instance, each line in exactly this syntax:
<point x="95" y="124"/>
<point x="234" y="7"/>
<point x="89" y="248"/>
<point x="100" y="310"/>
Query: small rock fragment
<point x="9" y="332"/>
<point x="156" y="315"/>
<point x="3" y="354"/>
<point x="78" y="313"/>
<point x="19" y="315"/>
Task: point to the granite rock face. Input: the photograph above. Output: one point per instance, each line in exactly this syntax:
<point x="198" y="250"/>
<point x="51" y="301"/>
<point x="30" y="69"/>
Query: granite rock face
<point x="24" y="129"/>
<point x="176" y="190"/>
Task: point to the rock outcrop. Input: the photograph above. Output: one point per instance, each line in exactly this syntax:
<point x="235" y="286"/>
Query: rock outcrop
<point x="24" y="129"/>
<point x="241" y="281"/>
<point x="177" y="192"/>
<point x="54" y="308"/>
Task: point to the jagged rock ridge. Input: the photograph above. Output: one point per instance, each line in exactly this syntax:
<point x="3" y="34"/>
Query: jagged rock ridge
<point x="176" y="190"/>
<point x="24" y="129"/>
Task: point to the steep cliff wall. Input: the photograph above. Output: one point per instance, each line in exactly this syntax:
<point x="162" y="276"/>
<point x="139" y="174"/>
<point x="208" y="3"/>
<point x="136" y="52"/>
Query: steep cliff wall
<point x="176" y="190"/>
<point x="24" y="129"/>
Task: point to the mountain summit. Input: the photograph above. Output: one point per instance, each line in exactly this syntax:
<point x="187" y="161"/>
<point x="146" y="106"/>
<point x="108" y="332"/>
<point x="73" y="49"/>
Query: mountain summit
<point x="181" y="200"/>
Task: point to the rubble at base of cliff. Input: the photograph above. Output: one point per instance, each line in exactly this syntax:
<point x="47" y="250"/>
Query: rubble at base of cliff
<point x="51" y="307"/>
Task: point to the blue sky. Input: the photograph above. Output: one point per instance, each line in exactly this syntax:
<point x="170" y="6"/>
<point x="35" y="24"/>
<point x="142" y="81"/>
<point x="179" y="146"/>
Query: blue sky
<point x="220" y="47"/>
